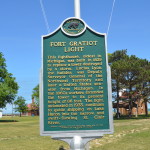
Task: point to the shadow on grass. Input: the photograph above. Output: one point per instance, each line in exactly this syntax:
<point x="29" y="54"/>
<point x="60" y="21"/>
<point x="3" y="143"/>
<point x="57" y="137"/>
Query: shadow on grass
<point x="8" y="121"/>
<point x="125" y="117"/>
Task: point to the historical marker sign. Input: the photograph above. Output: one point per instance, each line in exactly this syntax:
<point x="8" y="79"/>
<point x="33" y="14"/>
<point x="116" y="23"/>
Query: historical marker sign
<point x="75" y="85"/>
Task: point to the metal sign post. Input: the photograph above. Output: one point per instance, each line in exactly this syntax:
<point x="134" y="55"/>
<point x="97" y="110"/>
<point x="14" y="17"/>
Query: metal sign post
<point x="77" y="8"/>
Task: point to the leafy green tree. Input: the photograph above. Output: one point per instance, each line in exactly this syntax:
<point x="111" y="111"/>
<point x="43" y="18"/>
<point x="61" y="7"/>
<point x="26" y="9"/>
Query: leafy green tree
<point x="21" y="106"/>
<point x="132" y="70"/>
<point x="130" y="76"/>
<point x="131" y="73"/>
<point x="117" y="55"/>
<point x="35" y="94"/>
<point x="116" y="82"/>
<point x="8" y="85"/>
<point x="143" y="87"/>
<point x="116" y="73"/>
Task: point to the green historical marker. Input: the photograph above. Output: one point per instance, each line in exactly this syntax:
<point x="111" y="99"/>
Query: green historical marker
<point x="75" y="82"/>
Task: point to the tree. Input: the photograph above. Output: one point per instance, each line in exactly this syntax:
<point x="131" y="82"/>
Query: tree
<point x="21" y="106"/>
<point x="35" y="94"/>
<point x="117" y="55"/>
<point x="131" y="67"/>
<point x="116" y="73"/>
<point x="116" y="82"/>
<point x="143" y="87"/>
<point x="133" y="74"/>
<point x="8" y="85"/>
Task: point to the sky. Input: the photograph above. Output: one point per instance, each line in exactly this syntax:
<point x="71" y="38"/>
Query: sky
<point x="22" y="24"/>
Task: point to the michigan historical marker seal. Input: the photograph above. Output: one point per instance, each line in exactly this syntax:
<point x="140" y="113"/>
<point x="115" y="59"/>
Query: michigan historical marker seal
<point x="73" y="27"/>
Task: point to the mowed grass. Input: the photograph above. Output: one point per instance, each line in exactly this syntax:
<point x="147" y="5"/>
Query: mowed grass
<point x="130" y="134"/>
<point x="24" y="135"/>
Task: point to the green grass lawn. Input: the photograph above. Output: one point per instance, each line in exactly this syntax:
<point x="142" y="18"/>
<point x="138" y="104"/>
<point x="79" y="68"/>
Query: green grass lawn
<point x="23" y="134"/>
<point x="130" y="134"/>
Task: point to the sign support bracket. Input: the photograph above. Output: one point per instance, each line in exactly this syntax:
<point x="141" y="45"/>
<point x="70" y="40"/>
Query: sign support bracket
<point x="77" y="142"/>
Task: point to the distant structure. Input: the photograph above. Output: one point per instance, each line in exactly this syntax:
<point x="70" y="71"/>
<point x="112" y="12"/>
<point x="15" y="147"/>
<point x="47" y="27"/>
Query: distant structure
<point x="33" y="109"/>
<point x="139" y="107"/>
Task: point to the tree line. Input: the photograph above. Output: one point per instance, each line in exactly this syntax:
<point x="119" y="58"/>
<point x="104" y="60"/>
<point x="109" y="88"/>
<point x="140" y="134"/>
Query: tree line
<point x="127" y="72"/>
